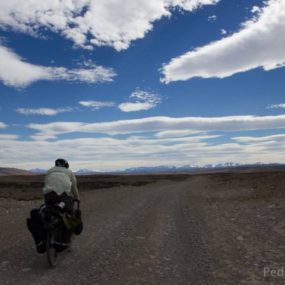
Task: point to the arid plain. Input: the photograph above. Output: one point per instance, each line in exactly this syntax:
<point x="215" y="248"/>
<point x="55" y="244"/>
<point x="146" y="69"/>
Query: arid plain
<point x="207" y="228"/>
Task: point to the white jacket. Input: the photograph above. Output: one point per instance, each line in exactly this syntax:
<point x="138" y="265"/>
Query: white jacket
<point x="61" y="180"/>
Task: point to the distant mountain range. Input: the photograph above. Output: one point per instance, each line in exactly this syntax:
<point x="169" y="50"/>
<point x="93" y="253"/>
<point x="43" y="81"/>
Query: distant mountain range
<point x="155" y="169"/>
<point x="38" y="170"/>
<point x="207" y="167"/>
<point x="4" y="171"/>
<point x="174" y="169"/>
<point x="78" y="172"/>
<point x="85" y="171"/>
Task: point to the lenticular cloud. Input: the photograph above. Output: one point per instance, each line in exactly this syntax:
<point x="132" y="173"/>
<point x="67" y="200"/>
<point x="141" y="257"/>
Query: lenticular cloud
<point x="91" y="22"/>
<point x="260" y="43"/>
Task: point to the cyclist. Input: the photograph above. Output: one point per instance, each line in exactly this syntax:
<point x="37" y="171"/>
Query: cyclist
<point x="61" y="185"/>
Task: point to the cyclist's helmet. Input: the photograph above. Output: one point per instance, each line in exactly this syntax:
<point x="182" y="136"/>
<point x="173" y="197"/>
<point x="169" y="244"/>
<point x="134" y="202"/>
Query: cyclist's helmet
<point x="62" y="163"/>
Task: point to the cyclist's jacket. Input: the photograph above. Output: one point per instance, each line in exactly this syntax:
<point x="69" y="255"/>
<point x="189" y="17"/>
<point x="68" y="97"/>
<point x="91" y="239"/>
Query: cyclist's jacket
<point x="61" y="180"/>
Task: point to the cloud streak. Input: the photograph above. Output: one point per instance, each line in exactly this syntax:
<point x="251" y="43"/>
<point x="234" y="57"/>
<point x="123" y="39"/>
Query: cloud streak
<point x="8" y="137"/>
<point x="119" y="153"/>
<point x="277" y="106"/>
<point x="14" y="71"/>
<point x="279" y="137"/>
<point x="159" y="124"/>
<point x="259" y="43"/>
<point x="43" y="111"/>
<point x="96" y="105"/>
<point x="2" y="125"/>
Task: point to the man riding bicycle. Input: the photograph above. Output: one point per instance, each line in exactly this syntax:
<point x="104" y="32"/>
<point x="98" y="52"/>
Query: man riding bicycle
<point x="61" y="185"/>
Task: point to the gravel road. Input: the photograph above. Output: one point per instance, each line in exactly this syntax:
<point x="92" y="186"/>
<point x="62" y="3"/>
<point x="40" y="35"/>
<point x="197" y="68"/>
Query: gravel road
<point x="187" y="232"/>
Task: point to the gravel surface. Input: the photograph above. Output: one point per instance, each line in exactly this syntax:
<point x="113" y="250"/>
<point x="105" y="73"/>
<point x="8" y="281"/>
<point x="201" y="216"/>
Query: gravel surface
<point x="207" y="229"/>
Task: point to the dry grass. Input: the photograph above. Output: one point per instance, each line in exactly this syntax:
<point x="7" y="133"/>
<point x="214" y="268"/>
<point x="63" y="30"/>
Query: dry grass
<point x="30" y="187"/>
<point x="256" y="184"/>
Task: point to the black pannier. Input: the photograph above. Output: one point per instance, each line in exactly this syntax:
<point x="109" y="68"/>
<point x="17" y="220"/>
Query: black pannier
<point x="64" y="223"/>
<point x="39" y="219"/>
<point x="36" y="227"/>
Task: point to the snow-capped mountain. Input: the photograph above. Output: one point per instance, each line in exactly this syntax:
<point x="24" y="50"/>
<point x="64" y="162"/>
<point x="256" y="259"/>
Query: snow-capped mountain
<point x="85" y="171"/>
<point x="38" y="170"/>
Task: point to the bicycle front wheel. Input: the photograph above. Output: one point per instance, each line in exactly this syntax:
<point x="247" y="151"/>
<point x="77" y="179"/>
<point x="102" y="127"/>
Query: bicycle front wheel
<point x="51" y="252"/>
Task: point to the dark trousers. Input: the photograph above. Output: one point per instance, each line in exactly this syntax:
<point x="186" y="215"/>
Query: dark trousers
<point x="52" y="198"/>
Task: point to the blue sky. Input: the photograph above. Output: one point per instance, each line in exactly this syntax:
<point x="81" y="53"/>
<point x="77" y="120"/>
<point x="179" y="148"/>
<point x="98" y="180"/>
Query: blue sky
<point x="117" y="84"/>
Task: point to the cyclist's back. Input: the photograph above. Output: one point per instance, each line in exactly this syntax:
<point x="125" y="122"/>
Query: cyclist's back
<point x="60" y="185"/>
<point x="58" y="179"/>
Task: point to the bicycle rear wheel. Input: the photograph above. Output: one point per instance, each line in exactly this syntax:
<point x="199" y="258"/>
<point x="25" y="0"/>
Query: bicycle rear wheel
<point x="51" y="252"/>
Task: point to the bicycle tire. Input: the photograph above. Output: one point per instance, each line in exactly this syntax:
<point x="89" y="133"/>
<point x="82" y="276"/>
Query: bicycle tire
<point x="51" y="252"/>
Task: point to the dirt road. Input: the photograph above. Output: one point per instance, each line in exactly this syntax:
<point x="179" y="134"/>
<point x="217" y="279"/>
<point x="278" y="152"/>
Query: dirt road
<point x="196" y="231"/>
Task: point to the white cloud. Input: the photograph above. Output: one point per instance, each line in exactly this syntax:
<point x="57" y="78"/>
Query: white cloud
<point x="92" y="22"/>
<point x="175" y="134"/>
<point x="223" y="32"/>
<point x="43" y="111"/>
<point x="139" y="101"/>
<point x="96" y="105"/>
<point x="256" y="9"/>
<point x="260" y="139"/>
<point x="2" y="125"/>
<point x="134" y="107"/>
<point x="159" y="124"/>
<point x="107" y="153"/>
<point x="259" y="43"/>
<point x="277" y="106"/>
<point x="8" y="137"/>
<point x="14" y="71"/>
<point x="189" y="5"/>
<point x="212" y="18"/>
